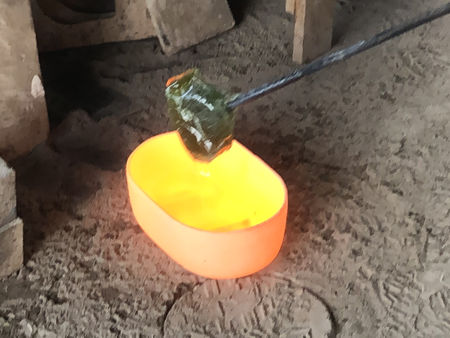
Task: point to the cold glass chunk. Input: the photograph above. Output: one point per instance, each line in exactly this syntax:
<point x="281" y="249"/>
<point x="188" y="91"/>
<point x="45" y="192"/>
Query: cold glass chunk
<point x="200" y="114"/>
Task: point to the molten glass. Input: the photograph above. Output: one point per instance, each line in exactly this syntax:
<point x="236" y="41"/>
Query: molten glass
<point x="221" y="219"/>
<point x="200" y="113"/>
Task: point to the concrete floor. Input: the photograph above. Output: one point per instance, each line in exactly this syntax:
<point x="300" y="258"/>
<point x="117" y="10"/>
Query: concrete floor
<point x="363" y="147"/>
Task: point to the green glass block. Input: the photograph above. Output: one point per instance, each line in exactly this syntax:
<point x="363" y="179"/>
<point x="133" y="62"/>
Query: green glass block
<point x="200" y="114"/>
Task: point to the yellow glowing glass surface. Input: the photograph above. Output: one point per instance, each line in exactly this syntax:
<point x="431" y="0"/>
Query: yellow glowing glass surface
<point x="234" y="191"/>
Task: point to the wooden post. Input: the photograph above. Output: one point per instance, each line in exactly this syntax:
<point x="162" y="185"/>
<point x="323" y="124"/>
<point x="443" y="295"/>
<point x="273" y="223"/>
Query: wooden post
<point x="313" y="28"/>
<point x="290" y="6"/>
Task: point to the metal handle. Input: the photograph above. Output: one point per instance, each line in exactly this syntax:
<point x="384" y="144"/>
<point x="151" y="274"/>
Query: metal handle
<point x="337" y="56"/>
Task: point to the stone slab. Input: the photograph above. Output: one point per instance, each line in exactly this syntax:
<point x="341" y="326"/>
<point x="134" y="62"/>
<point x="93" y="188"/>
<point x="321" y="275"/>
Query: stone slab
<point x="11" y="247"/>
<point x="131" y="22"/>
<point x="181" y="24"/>
<point x="7" y="193"/>
<point x="23" y="111"/>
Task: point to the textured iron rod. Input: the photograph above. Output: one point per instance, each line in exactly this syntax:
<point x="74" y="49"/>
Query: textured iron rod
<point x="337" y="56"/>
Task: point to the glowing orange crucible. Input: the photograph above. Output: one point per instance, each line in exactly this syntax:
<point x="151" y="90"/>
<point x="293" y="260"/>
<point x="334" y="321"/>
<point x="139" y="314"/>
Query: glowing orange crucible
<point x="224" y="219"/>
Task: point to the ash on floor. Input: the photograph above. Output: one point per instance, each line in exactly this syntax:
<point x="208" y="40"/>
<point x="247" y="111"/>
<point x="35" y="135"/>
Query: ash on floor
<point x="363" y="147"/>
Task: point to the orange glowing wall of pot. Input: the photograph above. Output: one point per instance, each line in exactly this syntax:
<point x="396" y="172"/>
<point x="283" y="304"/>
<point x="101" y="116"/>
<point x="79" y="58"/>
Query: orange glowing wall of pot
<point x="222" y="220"/>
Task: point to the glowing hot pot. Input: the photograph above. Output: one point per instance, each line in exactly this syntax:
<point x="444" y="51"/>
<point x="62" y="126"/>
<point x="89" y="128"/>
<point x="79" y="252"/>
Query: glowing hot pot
<point x="225" y="219"/>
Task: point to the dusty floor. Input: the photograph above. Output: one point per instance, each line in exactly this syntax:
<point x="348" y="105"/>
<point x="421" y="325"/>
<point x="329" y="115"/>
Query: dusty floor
<point x="363" y="147"/>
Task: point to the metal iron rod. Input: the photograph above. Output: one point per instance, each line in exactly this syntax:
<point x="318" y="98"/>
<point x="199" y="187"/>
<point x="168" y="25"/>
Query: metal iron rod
<point x="337" y="56"/>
